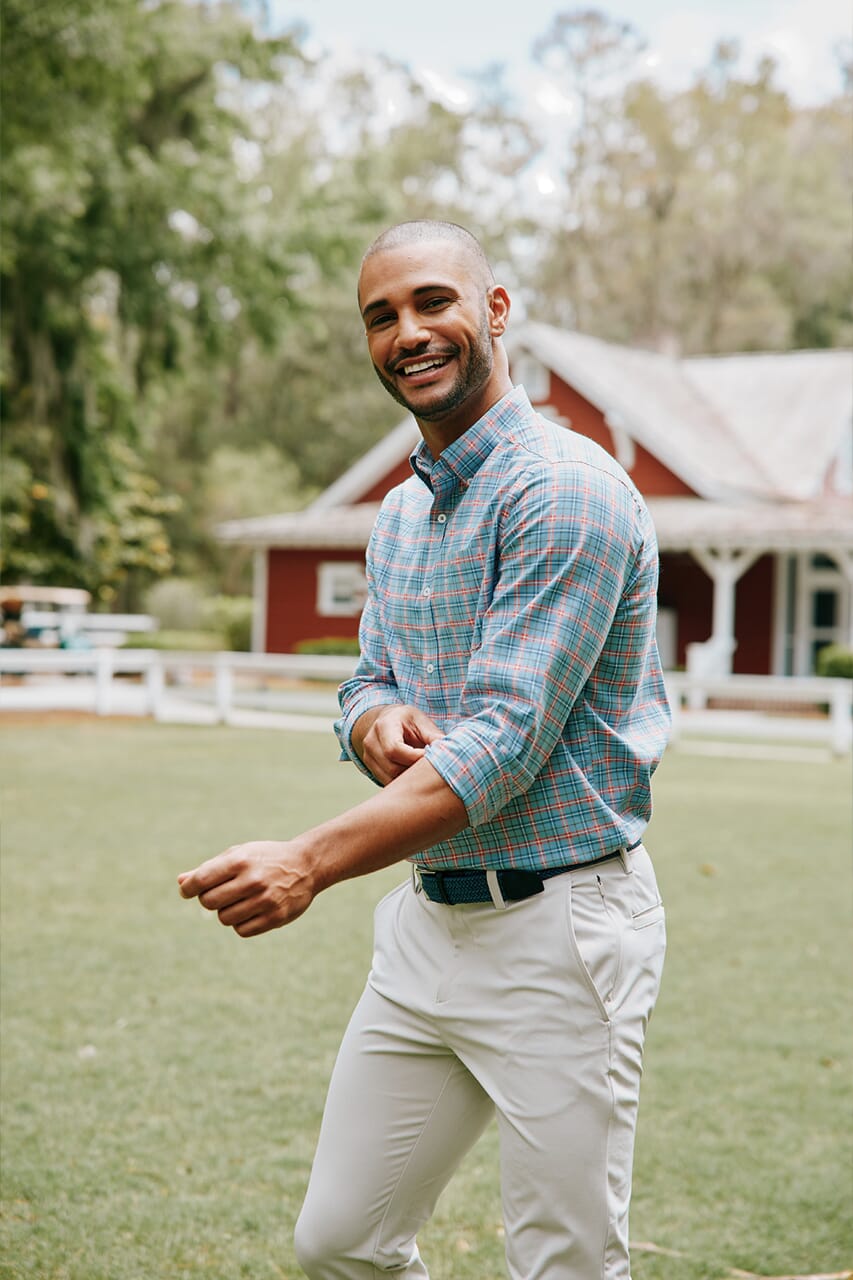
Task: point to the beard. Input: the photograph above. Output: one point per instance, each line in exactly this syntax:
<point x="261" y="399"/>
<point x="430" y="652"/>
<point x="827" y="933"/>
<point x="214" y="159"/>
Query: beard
<point x="471" y="375"/>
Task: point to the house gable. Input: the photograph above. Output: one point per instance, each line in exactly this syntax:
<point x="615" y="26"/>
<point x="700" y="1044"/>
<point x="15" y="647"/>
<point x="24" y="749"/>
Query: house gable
<point x="396" y="475"/>
<point x="650" y="475"/>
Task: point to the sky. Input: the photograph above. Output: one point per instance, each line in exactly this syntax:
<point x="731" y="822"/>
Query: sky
<point x="449" y="37"/>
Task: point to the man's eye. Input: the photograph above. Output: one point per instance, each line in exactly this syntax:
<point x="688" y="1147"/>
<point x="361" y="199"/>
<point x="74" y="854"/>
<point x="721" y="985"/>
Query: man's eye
<point x="433" y="303"/>
<point x="383" y="318"/>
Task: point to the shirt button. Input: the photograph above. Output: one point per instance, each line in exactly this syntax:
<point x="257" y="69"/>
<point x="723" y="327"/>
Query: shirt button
<point x="427" y="591"/>
<point x="442" y="518"/>
<point x="430" y="668"/>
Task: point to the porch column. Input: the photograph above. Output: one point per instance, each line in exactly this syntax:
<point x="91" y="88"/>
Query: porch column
<point x="259" y="599"/>
<point x="724" y="568"/>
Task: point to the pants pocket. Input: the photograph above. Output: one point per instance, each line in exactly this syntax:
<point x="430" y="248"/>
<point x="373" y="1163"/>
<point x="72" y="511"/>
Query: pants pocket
<point x="648" y="916"/>
<point x="596" y="940"/>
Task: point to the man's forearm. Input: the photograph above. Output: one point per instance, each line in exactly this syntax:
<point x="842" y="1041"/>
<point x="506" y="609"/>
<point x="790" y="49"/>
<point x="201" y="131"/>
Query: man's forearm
<point x="264" y="884"/>
<point x="413" y="812"/>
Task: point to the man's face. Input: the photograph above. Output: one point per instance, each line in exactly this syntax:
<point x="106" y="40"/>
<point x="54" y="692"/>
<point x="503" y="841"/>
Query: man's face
<point x="427" y="319"/>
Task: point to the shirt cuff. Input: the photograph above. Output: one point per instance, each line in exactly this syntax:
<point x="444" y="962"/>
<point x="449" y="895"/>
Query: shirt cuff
<point x="484" y="783"/>
<point x="373" y="697"/>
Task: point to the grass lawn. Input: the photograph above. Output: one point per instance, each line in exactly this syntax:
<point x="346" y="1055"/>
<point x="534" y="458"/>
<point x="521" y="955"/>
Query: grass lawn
<point x="162" y="1080"/>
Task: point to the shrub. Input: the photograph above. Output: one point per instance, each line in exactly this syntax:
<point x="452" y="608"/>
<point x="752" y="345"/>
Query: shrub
<point x="835" y="660"/>
<point x="176" y="603"/>
<point x="186" y="641"/>
<point x="347" y="645"/>
<point x="231" y="616"/>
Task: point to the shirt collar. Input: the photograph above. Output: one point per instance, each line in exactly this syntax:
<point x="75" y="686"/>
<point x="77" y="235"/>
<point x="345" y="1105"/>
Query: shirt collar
<point x="464" y="457"/>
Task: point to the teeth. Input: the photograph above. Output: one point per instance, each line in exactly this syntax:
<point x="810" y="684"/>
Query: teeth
<point x="422" y="366"/>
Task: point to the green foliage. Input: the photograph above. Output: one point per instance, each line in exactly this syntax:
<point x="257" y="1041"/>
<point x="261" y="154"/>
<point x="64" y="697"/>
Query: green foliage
<point x="184" y="641"/>
<point x="835" y="660"/>
<point x="711" y="200"/>
<point x="181" y="231"/>
<point x="231" y="617"/>
<point x="129" y="247"/>
<point x="330" y="644"/>
<point x="176" y="603"/>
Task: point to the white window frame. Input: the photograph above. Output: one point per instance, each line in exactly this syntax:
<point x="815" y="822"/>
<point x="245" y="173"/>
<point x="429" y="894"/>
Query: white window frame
<point x="811" y="579"/>
<point x="533" y="375"/>
<point x="341" y="589"/>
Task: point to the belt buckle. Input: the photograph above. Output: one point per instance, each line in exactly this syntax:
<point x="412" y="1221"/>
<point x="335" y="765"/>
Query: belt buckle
<point x="417" y="881"/>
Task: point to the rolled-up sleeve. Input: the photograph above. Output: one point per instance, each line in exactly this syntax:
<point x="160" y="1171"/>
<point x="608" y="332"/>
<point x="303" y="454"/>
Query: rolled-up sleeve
<point x="372" y="685"/>
<point x="568" y="545"/>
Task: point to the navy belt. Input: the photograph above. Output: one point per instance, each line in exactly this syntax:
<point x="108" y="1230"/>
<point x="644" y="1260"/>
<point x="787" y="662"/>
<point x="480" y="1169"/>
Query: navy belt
<point x="461" y="886"/>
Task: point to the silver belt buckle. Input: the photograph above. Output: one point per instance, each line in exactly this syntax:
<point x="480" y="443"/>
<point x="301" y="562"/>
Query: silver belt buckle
<point x="417" y="882"/>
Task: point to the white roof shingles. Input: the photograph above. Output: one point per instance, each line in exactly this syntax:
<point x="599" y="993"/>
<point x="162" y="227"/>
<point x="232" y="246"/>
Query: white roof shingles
<point x="338" y="527"/>
<point x="788" y="411"/>
<point x="732" y="427"/>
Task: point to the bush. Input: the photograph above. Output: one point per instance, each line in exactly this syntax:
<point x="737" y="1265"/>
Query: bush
<point x="346" y="645"/>
<point x="186" y="641"/>
<point x="177" y="604"/>
<point x="231" y="616"/>
<point x="835" y="660"/>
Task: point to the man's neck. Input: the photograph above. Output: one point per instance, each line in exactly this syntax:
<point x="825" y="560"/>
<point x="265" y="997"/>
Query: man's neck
<point x="439" y="435"/>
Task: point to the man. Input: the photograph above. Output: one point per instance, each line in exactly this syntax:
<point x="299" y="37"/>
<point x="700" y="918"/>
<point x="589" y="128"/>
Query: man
<point x="509" y="701"/>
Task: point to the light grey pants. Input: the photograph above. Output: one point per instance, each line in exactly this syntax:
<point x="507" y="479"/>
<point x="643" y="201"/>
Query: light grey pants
<point x="536" y="1014"/>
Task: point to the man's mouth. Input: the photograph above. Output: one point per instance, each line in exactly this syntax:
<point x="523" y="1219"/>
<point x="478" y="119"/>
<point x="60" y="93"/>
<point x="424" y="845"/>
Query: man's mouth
<point x="425" y="364"/>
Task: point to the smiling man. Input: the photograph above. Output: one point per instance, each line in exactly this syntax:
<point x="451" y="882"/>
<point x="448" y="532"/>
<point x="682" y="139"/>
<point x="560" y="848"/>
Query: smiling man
<point x="509" y="705"/>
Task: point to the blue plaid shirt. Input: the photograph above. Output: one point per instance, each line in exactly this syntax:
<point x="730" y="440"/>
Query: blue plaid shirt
<point x="512" y="596"/>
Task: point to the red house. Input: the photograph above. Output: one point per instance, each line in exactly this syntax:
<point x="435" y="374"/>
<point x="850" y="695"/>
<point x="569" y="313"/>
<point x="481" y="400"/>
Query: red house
<point x="746" y="462"/>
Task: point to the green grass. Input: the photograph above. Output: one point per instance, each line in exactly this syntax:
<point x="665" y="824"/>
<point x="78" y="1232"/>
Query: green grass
<point x="162" y="1080"/>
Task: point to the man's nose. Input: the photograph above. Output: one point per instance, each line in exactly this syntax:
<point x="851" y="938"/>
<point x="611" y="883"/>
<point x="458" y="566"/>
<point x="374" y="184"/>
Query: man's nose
<point x="411" y="330"/>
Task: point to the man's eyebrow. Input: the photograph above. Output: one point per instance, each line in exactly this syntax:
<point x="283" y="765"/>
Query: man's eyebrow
<point x="423" y="288"/>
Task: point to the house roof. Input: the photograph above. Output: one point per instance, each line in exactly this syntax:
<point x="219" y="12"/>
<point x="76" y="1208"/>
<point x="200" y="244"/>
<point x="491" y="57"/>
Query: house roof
<point x="756" y="436"/>
<point x="792" y="412"/>
<point x="681" y="523"/>
<point x="343" y="527"/>
<point x="732" y="427"/>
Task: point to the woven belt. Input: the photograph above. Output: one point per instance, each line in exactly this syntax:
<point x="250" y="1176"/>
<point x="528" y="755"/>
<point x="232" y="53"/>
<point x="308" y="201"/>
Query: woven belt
<point x="507" y="885"/>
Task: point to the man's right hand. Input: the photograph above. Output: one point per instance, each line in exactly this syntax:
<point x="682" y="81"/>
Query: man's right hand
<point x="390" y="739"/>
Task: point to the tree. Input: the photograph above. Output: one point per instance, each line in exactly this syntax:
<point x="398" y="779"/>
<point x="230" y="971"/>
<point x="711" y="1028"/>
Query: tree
<point x="709" y="220"/>
<point x="127" y="239"/>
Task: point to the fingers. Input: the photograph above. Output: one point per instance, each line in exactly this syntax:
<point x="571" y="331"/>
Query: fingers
<point x="216" y="871"/>
<point x="420" y="729"/>
<point x="396" y="740"/>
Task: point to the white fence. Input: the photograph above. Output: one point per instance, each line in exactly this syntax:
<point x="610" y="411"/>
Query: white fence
<point x="756" y="704"/>
<point x="215" y="685"/>
<point x="201" y="680"/>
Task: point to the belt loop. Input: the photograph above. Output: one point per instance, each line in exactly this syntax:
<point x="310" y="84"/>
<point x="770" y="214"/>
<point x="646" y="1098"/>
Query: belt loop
<point x="625" y="855"/>
<point x="417" y="883"/>
<point x="495" y="890"/>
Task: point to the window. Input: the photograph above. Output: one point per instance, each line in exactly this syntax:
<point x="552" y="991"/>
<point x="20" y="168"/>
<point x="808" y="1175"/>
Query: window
<point x="822" y="610"/>
<point x="533" y="376"/>
<point x="341" y="589"/>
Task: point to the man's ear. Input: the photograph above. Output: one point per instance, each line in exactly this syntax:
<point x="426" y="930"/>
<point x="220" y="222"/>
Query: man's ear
<point x="497" y="300"/>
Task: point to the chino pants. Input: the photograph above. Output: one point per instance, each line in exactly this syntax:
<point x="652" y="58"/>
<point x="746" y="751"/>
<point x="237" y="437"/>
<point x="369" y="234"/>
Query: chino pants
<point x="535" y="1014"/>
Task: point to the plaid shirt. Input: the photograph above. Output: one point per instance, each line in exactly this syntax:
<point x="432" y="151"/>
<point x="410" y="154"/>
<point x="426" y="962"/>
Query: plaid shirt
<point x="512" y="596"/>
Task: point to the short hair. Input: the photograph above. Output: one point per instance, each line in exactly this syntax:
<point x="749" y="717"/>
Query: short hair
<point x="424" y="229"/>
